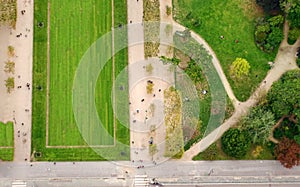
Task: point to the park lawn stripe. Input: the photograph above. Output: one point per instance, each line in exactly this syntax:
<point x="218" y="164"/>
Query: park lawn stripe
<point x="6" y="141"/>
<point x="6" y="134"/>
<point x="67" y="48"/>
<point x="65" y="57"/>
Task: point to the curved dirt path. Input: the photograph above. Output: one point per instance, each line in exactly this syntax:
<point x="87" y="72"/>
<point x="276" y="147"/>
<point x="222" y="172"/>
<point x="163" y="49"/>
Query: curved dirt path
<point x="284" y="61"/>
<point x="216" y="64"/>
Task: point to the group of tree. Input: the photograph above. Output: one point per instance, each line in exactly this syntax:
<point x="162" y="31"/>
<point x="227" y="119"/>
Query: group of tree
<point x="258" y="124"/>
<point x="268" y="32"/>
<point x="288" y="8"/>
<point x="8" y="12"/>
<point x="276" y="118"/>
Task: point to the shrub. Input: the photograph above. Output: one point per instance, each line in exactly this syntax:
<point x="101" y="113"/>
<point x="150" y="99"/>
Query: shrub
<point x="10" y="84"/>
<point x="168" y="10"/>
<point x="287" y="152"/>
<point x="235" y="143"/>
<point x="239" y="68"/>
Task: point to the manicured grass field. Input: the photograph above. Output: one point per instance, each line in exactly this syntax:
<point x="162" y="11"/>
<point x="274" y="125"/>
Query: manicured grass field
<point x="6" y="140"/>
<point x="74" y="26"/>
<point x="235" y="21"/>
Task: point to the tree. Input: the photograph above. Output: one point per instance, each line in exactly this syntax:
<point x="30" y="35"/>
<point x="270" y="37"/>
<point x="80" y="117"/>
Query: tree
<point x="10" y="84"/>
<point x="258" y="124"/>
<point x="294" y="33"/>
<point x="152" y="149"/>
<point x="168" y="10"/>
<point x="149" y="68"/>
<point x="11" y="51"/>
<point x="235" y="143"/>
<point x="269" y="6"/>
<point x="275" y="37"/>
<point x="8" y="12"/>
<point x="292" y="10"/>
<point x="239" y="67"/>
<point x="9" y="67"/>
<point x="149" y="87"/>
<point x="276" y="21"/>
<point x="288" y="152"/>
<point x="284" y="97"/>
<point x="294" y="15"/>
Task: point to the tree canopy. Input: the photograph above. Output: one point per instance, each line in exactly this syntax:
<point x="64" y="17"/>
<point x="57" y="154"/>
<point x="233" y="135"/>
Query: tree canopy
<point x="288" y="153"/>
<point x="258" y="124"/>
<point x="284" y="97"/>
<point x="239" y="67"/>
<point x="235" y="143"/>
<point x="269" y="6"/>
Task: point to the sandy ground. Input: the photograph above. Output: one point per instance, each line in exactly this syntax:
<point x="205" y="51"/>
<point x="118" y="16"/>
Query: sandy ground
<point x="141" y="116"/>
<point x="147" y="109"/>
<point x="16" y="106"/>
<point x="6" y="107"/>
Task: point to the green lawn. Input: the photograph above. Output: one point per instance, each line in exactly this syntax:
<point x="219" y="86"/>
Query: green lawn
<point x="75" y="25"/>
<point x="6" y="141"/>
<point x="235" y="21"/>
<point x="214" y="152"/>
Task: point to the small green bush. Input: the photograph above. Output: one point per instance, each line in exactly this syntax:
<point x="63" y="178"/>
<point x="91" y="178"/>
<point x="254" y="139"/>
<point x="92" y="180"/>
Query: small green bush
<point x="235" y="143"/>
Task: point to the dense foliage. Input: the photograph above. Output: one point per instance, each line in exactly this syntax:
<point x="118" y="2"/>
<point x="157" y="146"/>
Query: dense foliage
<point x="258" y="124"/>
<point x="284" y="97"/>
<point x="235" y="143"/>
<point x="269" y="6"/>
<point x="268" y="33"/>
<point x="288" y="153"/>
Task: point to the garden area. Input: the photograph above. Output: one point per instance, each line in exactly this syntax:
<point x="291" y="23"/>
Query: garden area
<point x="172" y="111"/>
<point x="193" y="59"/>
<point x="151" y="29"/>
<point x="228" y="27"/>
<point x="270" y="130"/>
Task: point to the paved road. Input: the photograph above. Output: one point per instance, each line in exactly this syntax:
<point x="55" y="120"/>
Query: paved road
<point x="171" y="172"/>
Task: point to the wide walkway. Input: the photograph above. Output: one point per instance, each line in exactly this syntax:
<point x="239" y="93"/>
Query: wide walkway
<point x="16" y="106"/>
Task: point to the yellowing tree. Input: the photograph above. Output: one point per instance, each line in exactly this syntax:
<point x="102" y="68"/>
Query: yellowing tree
<point x="239" y="67"/>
